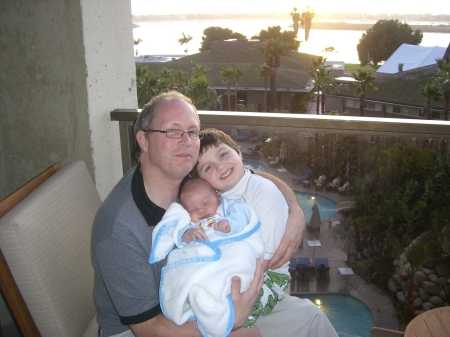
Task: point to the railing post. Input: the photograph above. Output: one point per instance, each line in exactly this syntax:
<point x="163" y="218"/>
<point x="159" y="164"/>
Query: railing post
<point x="126" y="119"/>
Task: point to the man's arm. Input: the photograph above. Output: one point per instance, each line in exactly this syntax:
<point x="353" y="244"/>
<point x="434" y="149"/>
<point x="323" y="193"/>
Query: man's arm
<point x="243" y="304"/>
<point x="295" y="226"/>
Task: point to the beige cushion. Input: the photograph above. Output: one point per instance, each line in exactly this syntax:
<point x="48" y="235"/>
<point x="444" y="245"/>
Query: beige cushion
<point x="46" y="243"/>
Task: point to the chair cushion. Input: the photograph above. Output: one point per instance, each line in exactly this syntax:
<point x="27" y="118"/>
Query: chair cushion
<point x="46" y="243"/>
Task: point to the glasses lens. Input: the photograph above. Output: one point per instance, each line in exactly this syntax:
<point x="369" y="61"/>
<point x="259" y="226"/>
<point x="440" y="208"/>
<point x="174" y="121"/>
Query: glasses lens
<point x="193" y="134"/>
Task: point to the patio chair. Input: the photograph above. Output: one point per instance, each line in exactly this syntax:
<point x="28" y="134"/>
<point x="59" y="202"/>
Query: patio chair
<point x="334" y="184"/>
<point x="243" y="135"/>
<point x="342" y="189"/>
<point x="322" y="269"/>
<point x="293" y="267"/>
<point x="303" y="268"/>
<point x="305" y="176"/>
<point x="274" y="162"/>
<point x="320" y="182"/>
<point x="252" y="153"/>
<point x="256" y="138"/>
<point x="46" y="274"/>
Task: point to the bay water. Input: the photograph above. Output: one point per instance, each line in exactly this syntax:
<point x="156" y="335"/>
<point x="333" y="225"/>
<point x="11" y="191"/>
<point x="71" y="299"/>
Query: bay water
<point x="161" y="37"/>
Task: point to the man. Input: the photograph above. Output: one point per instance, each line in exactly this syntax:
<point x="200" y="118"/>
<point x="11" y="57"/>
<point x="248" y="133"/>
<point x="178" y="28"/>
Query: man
<point x="126" y="285"/>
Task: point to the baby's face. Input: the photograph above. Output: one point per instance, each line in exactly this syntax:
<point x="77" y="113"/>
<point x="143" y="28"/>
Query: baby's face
<point x="200" y="200"/>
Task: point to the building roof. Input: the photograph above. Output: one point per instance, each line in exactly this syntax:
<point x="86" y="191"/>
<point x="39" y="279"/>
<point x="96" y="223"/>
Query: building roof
<point x="292" y="75"/>
<point x="412" y="57"/>
<point x="401" y="88"/>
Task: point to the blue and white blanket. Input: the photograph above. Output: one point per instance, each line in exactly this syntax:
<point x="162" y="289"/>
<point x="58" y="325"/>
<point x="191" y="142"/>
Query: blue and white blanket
<point x="196" y="281"/>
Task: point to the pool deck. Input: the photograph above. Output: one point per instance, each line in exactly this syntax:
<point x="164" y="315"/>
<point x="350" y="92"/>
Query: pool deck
<point x="352" y="285"/>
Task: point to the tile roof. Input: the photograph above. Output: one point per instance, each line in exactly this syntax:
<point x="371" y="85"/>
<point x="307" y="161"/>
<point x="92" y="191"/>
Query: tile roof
<point x="292" y="73"/>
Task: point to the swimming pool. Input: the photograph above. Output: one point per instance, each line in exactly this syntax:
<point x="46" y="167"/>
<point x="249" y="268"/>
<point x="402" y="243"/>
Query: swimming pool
<point x="255" y="166"/>
<point x="349" y="316"/>
<point x="327" y="207"/>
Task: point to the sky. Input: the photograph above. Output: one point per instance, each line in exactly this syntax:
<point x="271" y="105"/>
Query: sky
<point x="142" y="7"/>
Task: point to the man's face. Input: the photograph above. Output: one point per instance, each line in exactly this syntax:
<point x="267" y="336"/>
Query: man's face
<point x="173" y="158"/>
<point x="200" y="200"/>
<point x="221" y="166"/>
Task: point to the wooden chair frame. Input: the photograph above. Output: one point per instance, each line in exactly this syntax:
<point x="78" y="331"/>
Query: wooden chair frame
<point x="8" y="285"/>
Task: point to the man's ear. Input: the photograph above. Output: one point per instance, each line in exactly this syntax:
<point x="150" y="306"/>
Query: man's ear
<point x="142" y="140"/>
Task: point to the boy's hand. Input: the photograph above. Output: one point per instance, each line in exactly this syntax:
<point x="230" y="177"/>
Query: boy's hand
<point x="222" y="226"/>
<point x="192" y="234"/>
<point x="293" y="236"/>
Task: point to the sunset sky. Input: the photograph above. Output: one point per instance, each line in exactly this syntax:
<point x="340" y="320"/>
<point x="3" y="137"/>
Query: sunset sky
<point x="140" y="7"/>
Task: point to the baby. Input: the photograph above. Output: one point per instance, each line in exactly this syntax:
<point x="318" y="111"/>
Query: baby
<point x="203" y="204"/>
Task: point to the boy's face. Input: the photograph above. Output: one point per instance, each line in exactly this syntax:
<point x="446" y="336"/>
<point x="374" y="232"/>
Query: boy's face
<point x="200" y="200"/>
<point x="221" y="166"/>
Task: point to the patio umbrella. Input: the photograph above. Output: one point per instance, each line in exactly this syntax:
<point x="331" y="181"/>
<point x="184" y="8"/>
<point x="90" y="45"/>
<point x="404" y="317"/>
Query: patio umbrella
<point x="314" y="223"/>
<point x="349" y="246"/>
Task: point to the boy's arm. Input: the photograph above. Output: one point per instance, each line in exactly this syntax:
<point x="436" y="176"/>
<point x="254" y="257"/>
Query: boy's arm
<point x="295" y="226"/>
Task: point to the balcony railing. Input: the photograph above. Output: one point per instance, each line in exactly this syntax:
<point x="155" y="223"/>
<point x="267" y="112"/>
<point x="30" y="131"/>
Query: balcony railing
<point x="304" y="124"/>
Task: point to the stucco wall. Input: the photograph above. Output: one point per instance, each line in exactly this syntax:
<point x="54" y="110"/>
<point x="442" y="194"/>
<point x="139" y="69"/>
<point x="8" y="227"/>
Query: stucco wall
<point x="64" y="66"/>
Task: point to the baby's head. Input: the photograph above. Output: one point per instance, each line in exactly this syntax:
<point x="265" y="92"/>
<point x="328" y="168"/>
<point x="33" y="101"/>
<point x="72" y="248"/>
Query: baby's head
<point x="199" y="198"/>
<point x="219" y="161"/>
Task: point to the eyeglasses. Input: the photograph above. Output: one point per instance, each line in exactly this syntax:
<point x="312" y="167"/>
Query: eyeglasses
<point x="177" y="133"/>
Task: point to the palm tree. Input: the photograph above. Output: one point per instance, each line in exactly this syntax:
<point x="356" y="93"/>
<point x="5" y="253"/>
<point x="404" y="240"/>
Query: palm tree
<point x="136" y="42"/>
<point x="430" y="92"/>
<point x="444" y="81"/>
<point x="264" y="72"/>
<point x="295" y="18"/>
<point x="200" y="70"/>
<point x="227" y="77"/>
<point x="323" y="81"/>
<point x="237" y="74"/>
<point x="364" y="79"/>
<point x="273" y="50"/>
<point x="185" y="40"/>
<point x="307" y="16"/>
<point x="415" y="255"/>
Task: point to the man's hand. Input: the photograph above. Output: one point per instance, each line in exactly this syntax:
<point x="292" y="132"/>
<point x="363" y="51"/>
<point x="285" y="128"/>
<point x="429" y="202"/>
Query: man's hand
<point x="192" y="234"/>
<point x="243" y="302"/>
<point x="222" y="226"/>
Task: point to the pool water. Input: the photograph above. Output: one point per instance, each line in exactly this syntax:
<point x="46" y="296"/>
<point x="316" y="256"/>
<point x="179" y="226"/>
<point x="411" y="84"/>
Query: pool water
<point x="255" y="166"/>
<point x="327" y="207"/>
<point x="349" y="316"/>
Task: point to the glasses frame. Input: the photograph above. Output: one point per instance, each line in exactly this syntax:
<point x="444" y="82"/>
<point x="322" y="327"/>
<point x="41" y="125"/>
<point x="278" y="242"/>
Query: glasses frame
<point x="190" y="133"/>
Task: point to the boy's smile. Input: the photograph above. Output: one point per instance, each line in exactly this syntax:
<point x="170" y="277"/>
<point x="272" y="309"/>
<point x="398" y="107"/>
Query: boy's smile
<point x="221" y="166"/>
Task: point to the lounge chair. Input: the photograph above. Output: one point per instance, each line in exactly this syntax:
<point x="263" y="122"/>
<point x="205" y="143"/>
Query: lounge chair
<point x="320" y="182"/>
<point x="334" y="184"/>
<point x="303" y="268"/>
<point x="274" y="162"/>
<point x="322" y="268"/>
<point x="292" y="266"/>
<point x="256" y="138"/>
<point x="342" y="189"/>
<point x="253" y="154"/>
<point x="305" y="176"/>
<point x="243" y="135"/>
<point x="346" y="206"/>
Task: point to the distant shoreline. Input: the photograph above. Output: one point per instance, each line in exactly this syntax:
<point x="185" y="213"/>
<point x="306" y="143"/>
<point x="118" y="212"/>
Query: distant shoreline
<point x="436" y="28"/>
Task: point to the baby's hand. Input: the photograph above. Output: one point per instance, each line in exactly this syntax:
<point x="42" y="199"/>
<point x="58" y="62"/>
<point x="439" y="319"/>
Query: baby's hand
<point x="222" y="226"/>
<point x="192" y="234"/>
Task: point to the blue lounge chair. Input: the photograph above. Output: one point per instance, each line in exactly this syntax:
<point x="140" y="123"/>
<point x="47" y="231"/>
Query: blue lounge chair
<point x="305" y="176"/>
<point x="243" y="135"/>
<point x="292" y="266"/>
<point x="322" y="268"/>
<point x="303" y="268"/>
<point x="256" y="138"/>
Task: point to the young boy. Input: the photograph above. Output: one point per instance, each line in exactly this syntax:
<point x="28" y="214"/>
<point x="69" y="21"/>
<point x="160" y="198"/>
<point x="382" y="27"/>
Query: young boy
<point x="220" y="163"/>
